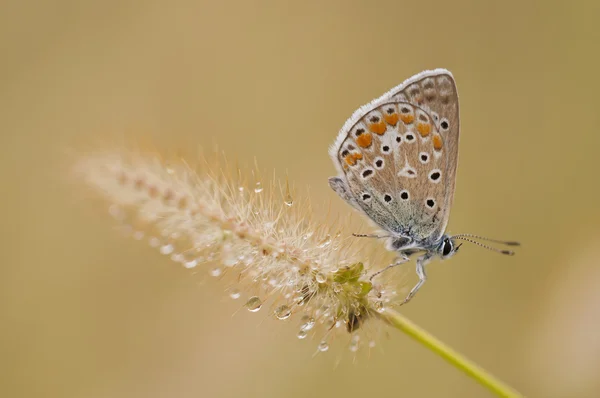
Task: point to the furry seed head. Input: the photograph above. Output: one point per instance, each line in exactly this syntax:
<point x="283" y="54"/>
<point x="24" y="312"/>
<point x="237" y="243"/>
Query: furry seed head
<point x="212" y="217"/>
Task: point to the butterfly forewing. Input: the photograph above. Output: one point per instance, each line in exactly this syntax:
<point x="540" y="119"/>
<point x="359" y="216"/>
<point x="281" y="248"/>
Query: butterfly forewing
<point x="398" y="156"/>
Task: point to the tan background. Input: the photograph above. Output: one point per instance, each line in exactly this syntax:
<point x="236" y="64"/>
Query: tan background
<point x="85" y="313"/>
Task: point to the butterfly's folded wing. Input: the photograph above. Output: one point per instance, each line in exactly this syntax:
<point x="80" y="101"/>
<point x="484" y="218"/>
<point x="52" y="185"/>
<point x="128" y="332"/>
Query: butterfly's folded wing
<point x="397" y="156"/>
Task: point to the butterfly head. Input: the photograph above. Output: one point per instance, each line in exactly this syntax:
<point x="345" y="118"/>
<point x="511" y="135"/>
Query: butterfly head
<point x="448" y="247"/>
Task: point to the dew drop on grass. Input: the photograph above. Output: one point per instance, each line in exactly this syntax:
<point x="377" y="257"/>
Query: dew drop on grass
<point x="323" y="346"/>
<point x="326" y="241"/>
<point x="321" y="277"/>
<point x="253" y="304"/>
<point x="307" y="323"/>
<point x="283" y="312"/>
<point x="167" y="249"/>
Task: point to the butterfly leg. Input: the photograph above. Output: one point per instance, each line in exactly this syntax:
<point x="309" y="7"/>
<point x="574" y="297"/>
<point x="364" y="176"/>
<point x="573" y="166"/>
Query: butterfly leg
<point x="402" y="258"/>
<point x="421" y="261"/>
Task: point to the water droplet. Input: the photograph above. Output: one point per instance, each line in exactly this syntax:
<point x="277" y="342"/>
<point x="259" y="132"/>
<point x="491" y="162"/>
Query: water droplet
<point x="229" y="259"/>
<point x="371" y="344"/>
<point x="253" y="304"/>
<point x="354" y="346"/>
<point x="154" y="241"/>
<point x="288" y="196"/>
<point x="216" y="271"/>
<point x="326" y="241"/>
<point x="235" y="294"/>
<point x="301" y="335"/>
<point x="258" y="188"/>
<point x="283" y="312"/>
<point x="177" y="257"/>
<point x="307" y="323"/>
<point x="167" y="249"/>
<point x="323" y="346"/>
<point x="321" y="277"/>
<point x="337" y="287"/>
<point x="379" y="307"/>
<point x="190" y="264"/>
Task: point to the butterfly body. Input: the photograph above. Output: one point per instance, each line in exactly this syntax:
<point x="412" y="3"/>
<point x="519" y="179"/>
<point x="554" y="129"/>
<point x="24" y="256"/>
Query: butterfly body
<point x="396" y="159"/>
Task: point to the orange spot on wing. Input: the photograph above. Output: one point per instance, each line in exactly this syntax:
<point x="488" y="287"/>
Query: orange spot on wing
<point x="352" y="158"/>
<point x="437" y="142"/>
<point x="378" y="128"/>
<point x="364" y="140"/>
<point x="407" y="119"/>
<point x="391" y="119"/>
<point x="424" y="129"/>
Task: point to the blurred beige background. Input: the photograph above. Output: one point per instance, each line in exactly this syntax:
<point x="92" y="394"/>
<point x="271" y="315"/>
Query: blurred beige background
<point x="85" y="313"/>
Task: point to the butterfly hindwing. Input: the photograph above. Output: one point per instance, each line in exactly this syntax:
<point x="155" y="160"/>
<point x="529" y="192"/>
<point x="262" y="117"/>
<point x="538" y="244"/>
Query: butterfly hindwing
<point x="398" y="155"/>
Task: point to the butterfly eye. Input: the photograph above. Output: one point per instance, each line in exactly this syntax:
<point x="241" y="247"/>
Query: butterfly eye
<point x="447" y="247"/>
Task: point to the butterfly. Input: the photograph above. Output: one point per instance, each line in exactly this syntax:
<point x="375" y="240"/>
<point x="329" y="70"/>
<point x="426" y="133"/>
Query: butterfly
<point x="396" y="159"/>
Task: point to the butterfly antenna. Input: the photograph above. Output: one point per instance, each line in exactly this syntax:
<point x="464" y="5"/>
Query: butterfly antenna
<point x="501" y="251"/>
<point x="502" y="242"/>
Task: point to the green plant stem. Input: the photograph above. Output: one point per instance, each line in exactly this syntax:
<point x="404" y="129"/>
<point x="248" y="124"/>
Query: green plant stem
<point x="401" y="323"/>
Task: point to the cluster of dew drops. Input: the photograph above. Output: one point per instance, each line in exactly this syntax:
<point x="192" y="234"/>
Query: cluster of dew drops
<point x="254" y="303"/>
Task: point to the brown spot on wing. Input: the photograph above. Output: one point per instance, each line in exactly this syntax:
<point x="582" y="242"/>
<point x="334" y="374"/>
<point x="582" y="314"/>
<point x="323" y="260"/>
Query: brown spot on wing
<point x="378" y="128"/>
<point x="424" y="129"/>
<point x="437" y="142"/>
<point x="364" y="140"/>
<point x="407" y="118"/>
<point x="391" y="119"/>
<point x="352" y="158"/>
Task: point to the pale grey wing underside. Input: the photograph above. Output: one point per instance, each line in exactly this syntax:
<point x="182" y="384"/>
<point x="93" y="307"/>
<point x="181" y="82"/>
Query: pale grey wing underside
<point x="397" y="157"/>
